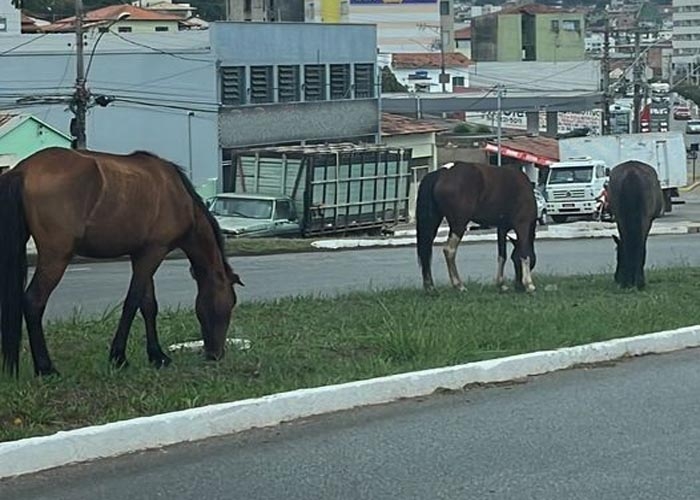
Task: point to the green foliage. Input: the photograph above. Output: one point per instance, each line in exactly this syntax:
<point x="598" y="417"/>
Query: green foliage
<point x="471" y="129"/>
<point x="688" y="91"/>
<point x="390" y="83"/>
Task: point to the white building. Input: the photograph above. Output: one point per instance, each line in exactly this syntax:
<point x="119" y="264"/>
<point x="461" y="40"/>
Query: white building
<point x="10" y="19"/>
<point x="594" y="43"/>
<point x="420" y="72"/>
<point x="686" y="32"/>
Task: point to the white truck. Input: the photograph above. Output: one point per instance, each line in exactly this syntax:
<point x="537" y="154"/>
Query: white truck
<point x="572" y="186"/>
<point x="664" y="151"/>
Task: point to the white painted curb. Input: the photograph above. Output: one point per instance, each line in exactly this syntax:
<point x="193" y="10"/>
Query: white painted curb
<point x="39" y="453"/>
<point x="563" y="232"/>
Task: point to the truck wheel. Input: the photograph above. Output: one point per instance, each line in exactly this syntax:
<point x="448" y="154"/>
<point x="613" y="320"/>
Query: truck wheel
<point x="668" y="203"/>
<point x="559" y="218"/>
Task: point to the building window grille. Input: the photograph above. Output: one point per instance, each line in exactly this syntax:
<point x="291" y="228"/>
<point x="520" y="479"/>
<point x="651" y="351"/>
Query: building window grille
<point x="315" y="82"/>
<point x="233" y="85"/>
<point x="288" y="83"/>
<point x="261" y="87"/>
<point x="364" y="80"/>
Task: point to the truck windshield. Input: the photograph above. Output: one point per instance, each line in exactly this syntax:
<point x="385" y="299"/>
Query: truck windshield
<point x="570" y="174"/>
<point x="242" y="207"/>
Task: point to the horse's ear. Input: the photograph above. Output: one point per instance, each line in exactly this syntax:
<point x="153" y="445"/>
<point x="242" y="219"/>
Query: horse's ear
<point x="235" y="279"/>
<point x="617" y="240"/>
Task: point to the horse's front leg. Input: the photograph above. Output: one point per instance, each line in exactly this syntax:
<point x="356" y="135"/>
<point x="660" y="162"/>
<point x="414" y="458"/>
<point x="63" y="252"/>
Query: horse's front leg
<point x="143" y="267"/>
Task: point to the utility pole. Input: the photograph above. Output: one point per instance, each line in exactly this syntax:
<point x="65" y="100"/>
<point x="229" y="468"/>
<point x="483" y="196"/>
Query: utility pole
<point x="637" y="70"/>
<point x="606" y="78"/>
<point x="80" y="96"/>
<point x="499" y="117"/>
<point x="443" y="76"/>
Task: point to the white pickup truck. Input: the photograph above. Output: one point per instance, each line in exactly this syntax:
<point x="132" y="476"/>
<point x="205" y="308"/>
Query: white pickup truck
<point x="572" y="186"/>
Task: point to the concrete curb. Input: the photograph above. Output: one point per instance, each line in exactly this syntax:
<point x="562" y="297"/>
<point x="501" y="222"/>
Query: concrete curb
<point x="604" y="230"/>
<point x="40" y="453"/>
<point x="689" y="188"/>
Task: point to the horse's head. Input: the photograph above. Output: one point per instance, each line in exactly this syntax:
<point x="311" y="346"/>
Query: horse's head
<point x="214" y="306"/>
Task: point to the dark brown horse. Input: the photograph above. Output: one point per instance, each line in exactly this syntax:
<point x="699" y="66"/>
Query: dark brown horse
<point x="636" y="200"/>
<point x="103" y="205"/>
<point x="490" y="196"/>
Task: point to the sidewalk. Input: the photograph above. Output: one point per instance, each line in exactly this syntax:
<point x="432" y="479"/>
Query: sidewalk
<point x="574" y="230"/>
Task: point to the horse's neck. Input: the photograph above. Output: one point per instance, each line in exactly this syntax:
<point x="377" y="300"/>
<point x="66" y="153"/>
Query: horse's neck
<point x="202" y="249"/>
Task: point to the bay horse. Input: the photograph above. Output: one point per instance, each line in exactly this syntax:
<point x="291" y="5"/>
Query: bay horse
<point x="492" y="196"/>
<point x="103" y="205"/>
<point x="636" y="200"/>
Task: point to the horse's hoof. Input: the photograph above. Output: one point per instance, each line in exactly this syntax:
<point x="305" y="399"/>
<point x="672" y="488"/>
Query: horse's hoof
<point x="119" y="362"/>
<point x="460" y="288"/>
<point x="530" y="288"/>
<point x="159" y="361"/>
<point x="47" y="372"/>
<point x="503" y="288"/>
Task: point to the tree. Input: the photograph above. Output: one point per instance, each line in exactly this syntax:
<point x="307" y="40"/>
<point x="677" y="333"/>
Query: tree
<point x="390" y="83"/>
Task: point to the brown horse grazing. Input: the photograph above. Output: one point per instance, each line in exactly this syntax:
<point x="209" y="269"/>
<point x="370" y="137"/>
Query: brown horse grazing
<point x="636" y="200"/>
<point x="103" y="205"/>
<point x="491" y="196"/>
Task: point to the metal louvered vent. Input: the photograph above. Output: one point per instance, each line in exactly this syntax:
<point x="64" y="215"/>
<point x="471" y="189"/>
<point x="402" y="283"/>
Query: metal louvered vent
<point x="364" y="80"/>
<point x="261" y="88"/>
<point x="233" y="85"/>
<point x="314" y="82"/>
<point x="340" y="81"/>
<point x="288" y="83"/>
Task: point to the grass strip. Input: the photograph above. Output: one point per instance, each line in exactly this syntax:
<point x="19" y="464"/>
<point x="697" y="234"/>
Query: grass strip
<point x="307" y="342"/>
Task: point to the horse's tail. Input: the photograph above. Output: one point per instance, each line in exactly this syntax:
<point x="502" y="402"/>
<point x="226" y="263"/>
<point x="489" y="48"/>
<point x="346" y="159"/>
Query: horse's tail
<point x="13" y="267"/>
<point x="428" y="218"/>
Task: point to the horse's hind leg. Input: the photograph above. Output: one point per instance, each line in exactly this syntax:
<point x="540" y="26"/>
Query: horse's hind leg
<point x="48" y="274"/>
<point x="501" y="239"/>
<point x="143" y="267"/>
<point x="149" y="311"/>
<point x="450" y="252"/>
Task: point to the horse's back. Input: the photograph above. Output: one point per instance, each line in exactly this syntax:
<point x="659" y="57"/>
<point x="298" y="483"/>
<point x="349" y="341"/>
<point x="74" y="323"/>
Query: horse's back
<point x="108" y="204"/>
<point x="493" y="193"/>
<point x="635" y="191"/>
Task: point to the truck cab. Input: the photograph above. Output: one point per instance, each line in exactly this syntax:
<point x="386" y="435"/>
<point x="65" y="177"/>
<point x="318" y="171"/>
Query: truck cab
<point x="572" y="186"/>
<point x="252" y="215"/>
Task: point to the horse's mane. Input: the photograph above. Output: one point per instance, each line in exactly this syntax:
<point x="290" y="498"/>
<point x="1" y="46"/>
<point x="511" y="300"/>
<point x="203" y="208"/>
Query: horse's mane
<point x="189" y="187"/>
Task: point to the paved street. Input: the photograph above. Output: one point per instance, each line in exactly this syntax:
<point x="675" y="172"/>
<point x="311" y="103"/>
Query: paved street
<point x="92" y="288"/>
<point x="628" y="431"/>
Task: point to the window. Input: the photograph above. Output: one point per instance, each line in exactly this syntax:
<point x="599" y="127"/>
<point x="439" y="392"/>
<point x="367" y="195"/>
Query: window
<point x="124" y="29"/>
<point x="288" y="83"/>
<point x="555" y="25"/>
<point x="3" y="24"/>
<point x="340" y="81"/>
<point x="458" y="81"/>
<point x="261" y="88"/>
<point x="283" y="210"/>
<point x="315" y="82"/>
<point x="233" y="85"/>
<point x="444" y="7"/>
<point x="364" y="80"/>
<point x="162" y="28"/>
<point x="571" y="25"/>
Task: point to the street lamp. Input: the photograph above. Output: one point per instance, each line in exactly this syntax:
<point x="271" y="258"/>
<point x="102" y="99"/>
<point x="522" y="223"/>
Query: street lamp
<point x="81" y="96"/>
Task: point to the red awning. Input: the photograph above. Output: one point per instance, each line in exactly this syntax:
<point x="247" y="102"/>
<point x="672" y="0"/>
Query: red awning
<point x="519" y="155"/>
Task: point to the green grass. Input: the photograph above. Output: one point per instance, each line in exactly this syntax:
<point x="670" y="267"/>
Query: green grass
<point x="307" y="342"/>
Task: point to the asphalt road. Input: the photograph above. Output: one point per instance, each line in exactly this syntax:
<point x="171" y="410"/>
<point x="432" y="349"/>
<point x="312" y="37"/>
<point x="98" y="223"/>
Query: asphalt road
<point x="628" y="431"/>
<point x="93" y="288"/>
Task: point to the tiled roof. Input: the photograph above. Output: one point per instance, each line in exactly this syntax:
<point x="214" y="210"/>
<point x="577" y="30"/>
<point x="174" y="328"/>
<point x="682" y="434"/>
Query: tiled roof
<point x="393" y="124"/>
<point x="110" y="13"/>
<point x="5" y="118"/>
<point x="544" y="147"/>
<point x="464" y="33"/>
<point x="425" y="60"/>
<point x="533" y="8"/>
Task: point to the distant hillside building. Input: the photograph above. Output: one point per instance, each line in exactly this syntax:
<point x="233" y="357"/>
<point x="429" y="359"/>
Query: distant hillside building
<point x="530" y="32"/>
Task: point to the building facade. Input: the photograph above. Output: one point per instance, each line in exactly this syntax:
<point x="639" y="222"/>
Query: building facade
<point x="686" y="33"/>
<point x="529" y="33"/>
<point x="194" y="96"/>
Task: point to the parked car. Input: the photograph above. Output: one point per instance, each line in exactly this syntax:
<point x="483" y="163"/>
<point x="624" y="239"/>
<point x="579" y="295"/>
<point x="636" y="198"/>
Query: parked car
<point x="541" y="207"/>
<point x="255" y="215"/>
<point x="681" y="113"/>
